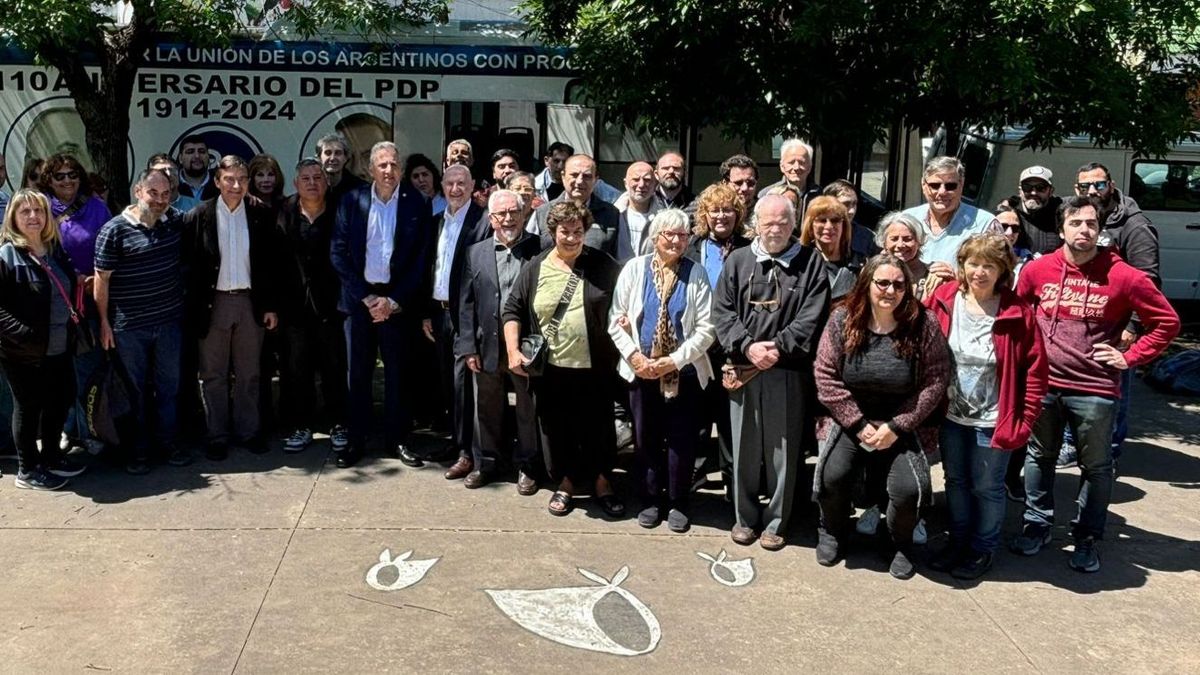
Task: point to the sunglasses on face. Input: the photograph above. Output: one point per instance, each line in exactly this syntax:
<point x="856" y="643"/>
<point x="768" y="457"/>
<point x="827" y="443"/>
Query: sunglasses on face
<point x="884" y="284"/>
<point x="1100" y="185"/>
<point x="66" y="175"/>
<point x="934" y="187"/>
<point x="1035" y="187"/>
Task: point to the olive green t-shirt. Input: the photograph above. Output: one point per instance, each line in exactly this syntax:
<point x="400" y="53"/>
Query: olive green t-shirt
<point x="569" y="348"/>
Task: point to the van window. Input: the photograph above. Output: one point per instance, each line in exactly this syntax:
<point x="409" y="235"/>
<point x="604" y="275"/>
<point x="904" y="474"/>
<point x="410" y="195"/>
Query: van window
<point x="1166" y="186"/>
<point x="974" y="157"/>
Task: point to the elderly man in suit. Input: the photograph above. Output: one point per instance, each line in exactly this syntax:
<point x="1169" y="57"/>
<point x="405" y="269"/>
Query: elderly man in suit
<point x="380" y="241"/>
<point x="489" y="273"/>
<point x="458" y="227"/>
<point x="232" y="296"/>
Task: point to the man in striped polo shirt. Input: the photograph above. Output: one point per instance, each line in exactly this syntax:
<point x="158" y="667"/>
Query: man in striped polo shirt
<point x="139" y="294"/>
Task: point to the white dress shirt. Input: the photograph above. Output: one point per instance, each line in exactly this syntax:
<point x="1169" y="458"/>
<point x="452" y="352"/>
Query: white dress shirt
<point x="452" y="225"/>
<point x="233" y="241"/>
<point x="381" y="238"/>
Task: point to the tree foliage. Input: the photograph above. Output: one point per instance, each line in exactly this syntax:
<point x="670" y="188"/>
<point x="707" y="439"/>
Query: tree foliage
<point x="69" y="34"/>
<point x="843" y="71"/>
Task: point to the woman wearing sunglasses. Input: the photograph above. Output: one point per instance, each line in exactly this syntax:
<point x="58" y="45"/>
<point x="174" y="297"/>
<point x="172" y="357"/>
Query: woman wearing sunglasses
<point x="881" y="370"/>
<point x="995" y="396"/>
<point x="79" y="215"/>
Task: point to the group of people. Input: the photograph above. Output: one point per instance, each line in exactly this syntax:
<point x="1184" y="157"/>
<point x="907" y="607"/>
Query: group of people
<point x="741" y="330"/>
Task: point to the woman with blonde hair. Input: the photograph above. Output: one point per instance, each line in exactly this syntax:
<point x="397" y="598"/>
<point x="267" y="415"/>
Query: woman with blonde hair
<point x="37" y="333"/>
<point x="827" y="228"/>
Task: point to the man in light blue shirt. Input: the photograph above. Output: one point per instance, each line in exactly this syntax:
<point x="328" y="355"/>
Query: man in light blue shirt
<point x="947" y="221"/>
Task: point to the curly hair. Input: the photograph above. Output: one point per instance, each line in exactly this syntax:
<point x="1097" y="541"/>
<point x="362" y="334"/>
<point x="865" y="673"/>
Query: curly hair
<point x="718" y="194"/>
<point x="63" y="162"/>
<point x="910" y="316"/>
<point x="567" y="212"/>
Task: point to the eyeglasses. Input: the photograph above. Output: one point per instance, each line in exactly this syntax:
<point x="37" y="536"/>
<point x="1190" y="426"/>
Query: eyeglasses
<point x="1035" y="187"/>
<point x="1100" y="185"/>
<point x="934" y="187"/>
<point x="674" y="235"/>
<point x="505" y="215"/>
<point x="66" y="175"/>
<point x="721" y="211"/>
<point x="1012" y="228"/>
<point x="748" y="182"/>
<point x="884" y="284"/>
<point x="769" y="288"/>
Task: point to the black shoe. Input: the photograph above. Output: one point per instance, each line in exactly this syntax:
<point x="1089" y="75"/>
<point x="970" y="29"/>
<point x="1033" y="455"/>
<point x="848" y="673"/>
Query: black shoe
<point x="973" y="566"/>
<point x="901" y="567"/>
<point x="216" y="452"/>
<point x="677" y="521"/>
<point x="949" y="558"/>
<point x="137" y="467"/>
<point x="407" y="458"/>
<point x="648" y="517"/>
<point x="255" y="444"/>
<point x="1085" y="558"/>
<point x="65" y="468"/>
<point x="179" y="457"/>
<point x="347" y="458"/>
<point x="828" y="551"/>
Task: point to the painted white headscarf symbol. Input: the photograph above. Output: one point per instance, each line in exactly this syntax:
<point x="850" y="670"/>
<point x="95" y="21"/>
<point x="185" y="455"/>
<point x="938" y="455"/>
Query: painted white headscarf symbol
<point x="566" y="615"/>
<point x="408" y="572"/>
<point x="740" y="572"/>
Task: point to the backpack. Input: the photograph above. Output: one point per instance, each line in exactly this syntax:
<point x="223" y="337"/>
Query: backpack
<point x="1178" y="374"/>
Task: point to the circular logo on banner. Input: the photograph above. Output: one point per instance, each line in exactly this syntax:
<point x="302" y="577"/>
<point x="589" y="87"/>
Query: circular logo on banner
<point x="222" y="138"/>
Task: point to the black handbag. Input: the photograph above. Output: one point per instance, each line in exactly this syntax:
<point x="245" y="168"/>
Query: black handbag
<point x="533" y="346"/>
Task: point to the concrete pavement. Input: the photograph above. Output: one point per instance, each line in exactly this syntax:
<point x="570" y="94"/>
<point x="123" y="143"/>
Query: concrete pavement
<point x="258" y="564"/>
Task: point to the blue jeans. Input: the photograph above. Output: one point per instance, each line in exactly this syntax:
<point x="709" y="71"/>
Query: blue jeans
<point x="151" y="357"/>
<point x="974" y="485"/>
<point x="1121" y="425"/>
<point x="1090" y="419"/>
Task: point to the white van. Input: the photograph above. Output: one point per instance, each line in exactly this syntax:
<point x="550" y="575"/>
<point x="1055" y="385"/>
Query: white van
<point x="1167" y="189"/>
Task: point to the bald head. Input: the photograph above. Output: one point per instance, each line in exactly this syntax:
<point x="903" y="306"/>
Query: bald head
<point x="640" y="184"/>
<point x="579" y="178"/>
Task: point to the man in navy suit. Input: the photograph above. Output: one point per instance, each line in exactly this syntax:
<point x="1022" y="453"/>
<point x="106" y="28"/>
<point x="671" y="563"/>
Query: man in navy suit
<point x="458" y="227"/>
<point x="489" y="273"/>
<point x="379" y="245"/>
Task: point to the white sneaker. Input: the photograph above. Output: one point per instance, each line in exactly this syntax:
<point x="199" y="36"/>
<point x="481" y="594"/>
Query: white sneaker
<point x="624" y="434"/>
<point x="919" y="534"/>
<point x="339" y="437"/>
<point x="868" y="522"/>
<point x="299" y="440"/>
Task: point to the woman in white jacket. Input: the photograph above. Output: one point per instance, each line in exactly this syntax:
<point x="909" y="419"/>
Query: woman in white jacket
<point x="661" y="324"/>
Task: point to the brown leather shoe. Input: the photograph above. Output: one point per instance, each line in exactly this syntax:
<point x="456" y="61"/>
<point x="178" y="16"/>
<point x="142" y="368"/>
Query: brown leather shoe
<point x="526" y="485"/>
<point x="475" y="479"/>
<point x="459" y="469"/>
<point x="771" y="541"/>
<point x="742" y="535"/>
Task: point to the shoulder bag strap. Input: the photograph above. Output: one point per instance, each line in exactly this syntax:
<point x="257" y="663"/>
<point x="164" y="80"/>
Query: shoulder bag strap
<point x="58" y="284"/>
<point x="563" y="302"/>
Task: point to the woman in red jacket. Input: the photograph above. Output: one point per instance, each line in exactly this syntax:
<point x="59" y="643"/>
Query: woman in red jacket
<point x="994" y="398"/>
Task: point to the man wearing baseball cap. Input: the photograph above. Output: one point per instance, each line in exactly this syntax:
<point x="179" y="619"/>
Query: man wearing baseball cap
<point x="1037" y="208"/>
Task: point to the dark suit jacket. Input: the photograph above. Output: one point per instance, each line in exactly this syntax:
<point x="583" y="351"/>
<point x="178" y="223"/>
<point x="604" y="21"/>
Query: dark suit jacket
<point x="479" y="303"/>
<point x="204" y="261"/>
<point x="307" y="280"/>
<point x="475" y="229"/>
<point x="601" y="235"/>
<point x="348" y="249"/>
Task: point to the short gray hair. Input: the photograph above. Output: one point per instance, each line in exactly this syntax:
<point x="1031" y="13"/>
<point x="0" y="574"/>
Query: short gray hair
<point x="384" y="146"/>
<point x="457" y="168"/>
<point x="330" y="139"/>
<point x="792" y="143"/>
<point x="760" y="205"/>
<point x="945" y="164"/>
<point x="668" y="219"/>
<point x="460" y="141"/>
<point x="899" y="218"/>
<point x="494" y="197"/>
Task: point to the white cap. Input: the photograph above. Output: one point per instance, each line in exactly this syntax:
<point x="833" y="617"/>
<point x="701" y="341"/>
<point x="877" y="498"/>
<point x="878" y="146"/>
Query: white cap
<point x="1037" y="172"/>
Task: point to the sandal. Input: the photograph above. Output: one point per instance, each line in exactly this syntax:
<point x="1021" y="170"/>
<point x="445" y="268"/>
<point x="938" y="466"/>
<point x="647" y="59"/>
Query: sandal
<point x="611" y="505"/>
<point x="560" y="504"/>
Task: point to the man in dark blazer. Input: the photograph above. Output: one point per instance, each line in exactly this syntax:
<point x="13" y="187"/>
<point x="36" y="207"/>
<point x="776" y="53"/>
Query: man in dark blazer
<point x="380" y="241"/>
<point x="232" y="298"/>
<point x="490" y="270"/>
<point x="457" y="228"/>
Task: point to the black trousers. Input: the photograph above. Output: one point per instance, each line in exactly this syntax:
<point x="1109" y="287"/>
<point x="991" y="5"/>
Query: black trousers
<point x="42" y="395"/>
<point x="491" y="403"/>
<point x="312" y="347"/>
<point x="665" y="433"/>
<point x="842" y="468"/>
<point x="574" y="409"/>
<point x="457" y="385"/>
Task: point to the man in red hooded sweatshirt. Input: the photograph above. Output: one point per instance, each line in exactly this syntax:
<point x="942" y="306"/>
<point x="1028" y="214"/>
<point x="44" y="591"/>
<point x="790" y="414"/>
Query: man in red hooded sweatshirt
<point x="1084" y="296"/>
